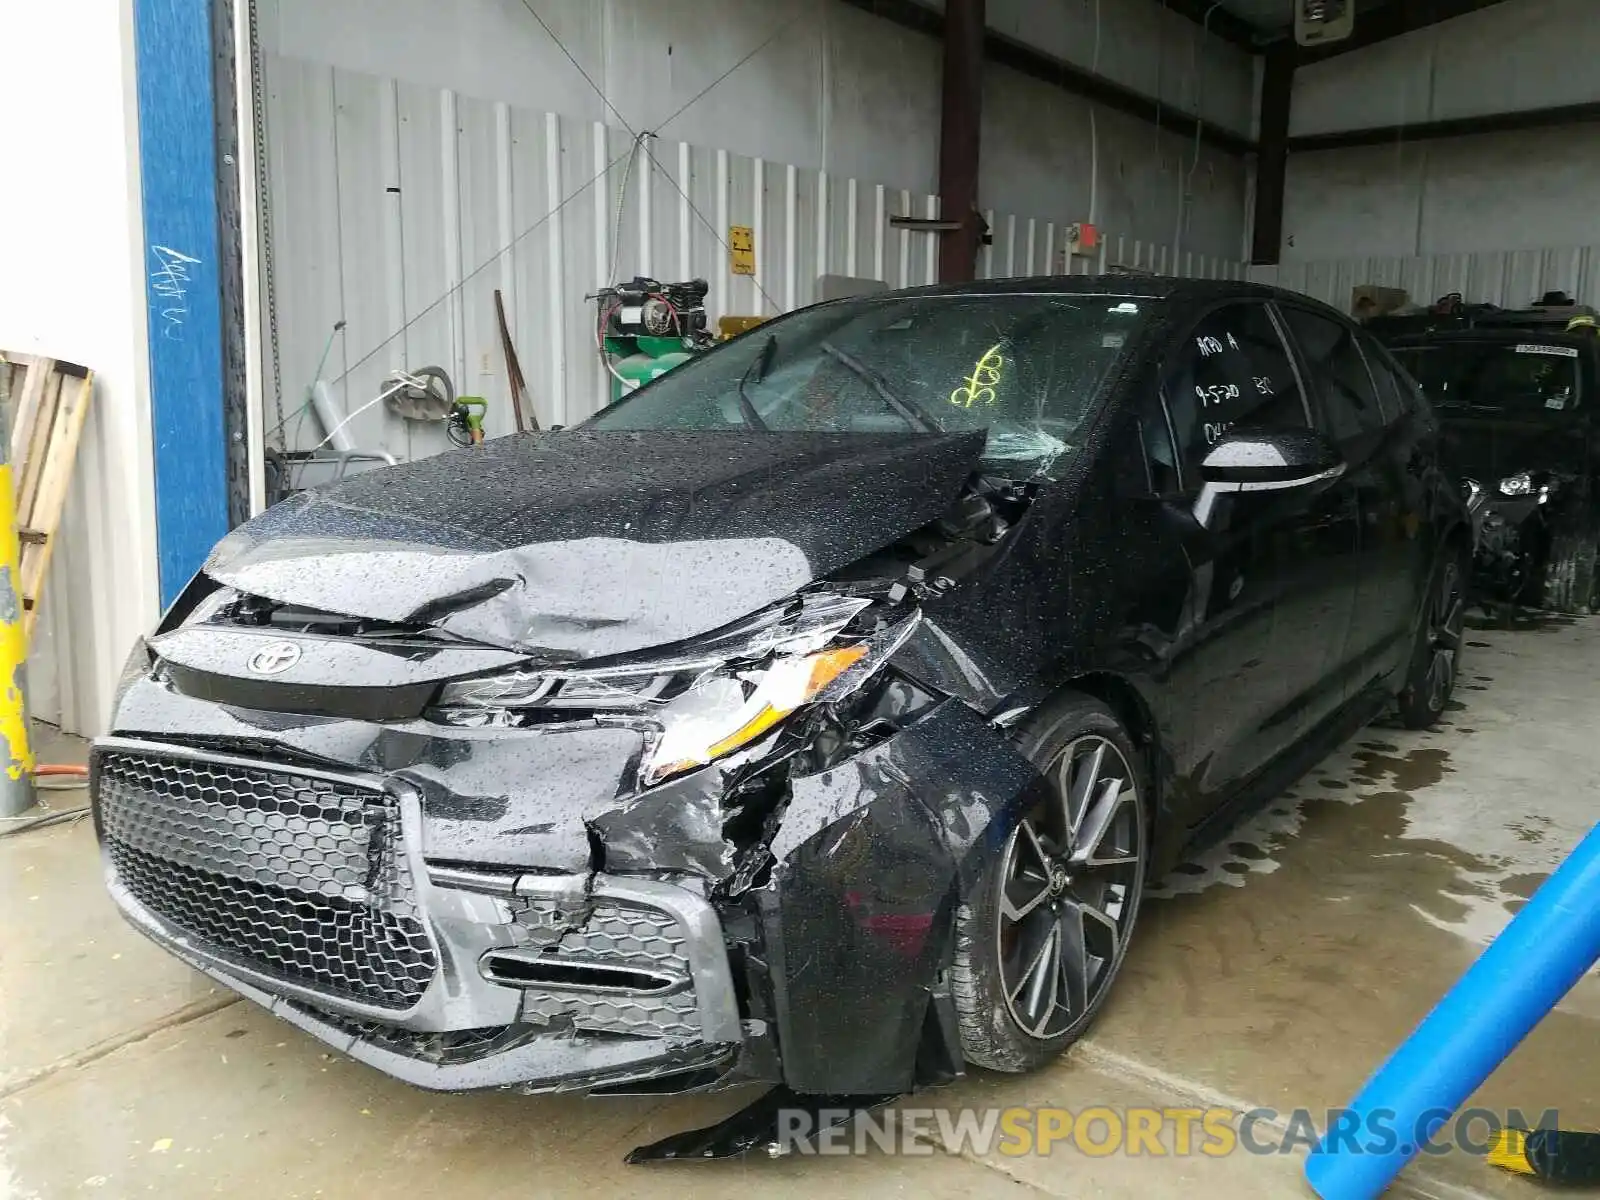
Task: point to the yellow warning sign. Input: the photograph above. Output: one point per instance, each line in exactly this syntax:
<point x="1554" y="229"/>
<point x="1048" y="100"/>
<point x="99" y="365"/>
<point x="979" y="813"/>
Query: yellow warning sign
<point x="742" y="249"/>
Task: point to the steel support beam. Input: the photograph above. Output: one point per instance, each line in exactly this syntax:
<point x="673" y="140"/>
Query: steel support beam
<point x="1272" y="157"/>
<point x="960" y="138"/>
<point x="1431" y="131"/>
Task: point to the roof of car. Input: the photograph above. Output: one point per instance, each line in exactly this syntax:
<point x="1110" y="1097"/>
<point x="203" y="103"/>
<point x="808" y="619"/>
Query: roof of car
<point x="1152" y="287"/>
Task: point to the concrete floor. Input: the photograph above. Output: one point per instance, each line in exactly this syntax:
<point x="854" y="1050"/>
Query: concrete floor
<point x="1277" y="970"/>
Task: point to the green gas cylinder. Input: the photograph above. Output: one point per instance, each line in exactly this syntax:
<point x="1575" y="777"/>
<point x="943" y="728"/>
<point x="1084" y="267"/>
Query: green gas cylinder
<point x="636" y="361"/>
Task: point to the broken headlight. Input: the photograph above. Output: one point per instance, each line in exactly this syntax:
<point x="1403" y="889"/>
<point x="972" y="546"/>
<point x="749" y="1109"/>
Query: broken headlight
<point x="708" y="698"/>
<point x="1525" y="484"/>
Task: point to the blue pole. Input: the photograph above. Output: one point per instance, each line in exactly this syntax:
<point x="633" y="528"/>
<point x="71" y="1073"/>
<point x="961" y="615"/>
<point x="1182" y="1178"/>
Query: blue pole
<point x="1522" y="975"/>
<point x="178" y="175"/>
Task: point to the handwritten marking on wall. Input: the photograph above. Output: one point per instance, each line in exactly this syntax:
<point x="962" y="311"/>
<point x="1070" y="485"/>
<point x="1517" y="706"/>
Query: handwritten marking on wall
<point x="169" y="281"/>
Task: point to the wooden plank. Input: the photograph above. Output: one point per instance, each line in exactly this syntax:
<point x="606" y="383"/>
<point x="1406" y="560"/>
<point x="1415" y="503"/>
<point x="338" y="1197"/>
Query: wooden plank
<point x="50" y="499"/>
<point x="25" y="413"/>
<point x="26" y="472"/>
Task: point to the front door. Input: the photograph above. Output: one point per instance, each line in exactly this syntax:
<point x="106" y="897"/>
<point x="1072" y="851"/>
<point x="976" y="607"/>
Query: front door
<point x="1377" y="557"/>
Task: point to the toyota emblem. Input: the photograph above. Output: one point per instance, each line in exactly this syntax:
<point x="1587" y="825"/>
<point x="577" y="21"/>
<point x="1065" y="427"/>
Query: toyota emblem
<point x="274" y="659"/>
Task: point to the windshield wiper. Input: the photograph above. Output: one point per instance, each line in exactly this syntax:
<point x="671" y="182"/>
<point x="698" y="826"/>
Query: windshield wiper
<point x="909" y="411"/>
<point x="747" y="410"/>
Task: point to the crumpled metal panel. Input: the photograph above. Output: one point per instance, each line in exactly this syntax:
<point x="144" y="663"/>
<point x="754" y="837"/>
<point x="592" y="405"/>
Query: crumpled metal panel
<point x="858" y="917"/>
<point x="588" y="543"/>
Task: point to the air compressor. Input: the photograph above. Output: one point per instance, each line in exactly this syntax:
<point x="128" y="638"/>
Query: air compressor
<point x="645" y="327"/>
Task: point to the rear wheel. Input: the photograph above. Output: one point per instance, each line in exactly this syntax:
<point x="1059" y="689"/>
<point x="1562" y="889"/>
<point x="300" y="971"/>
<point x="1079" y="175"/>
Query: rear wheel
<point x="1436" y="657"/>
<point x="1041" y="937"/>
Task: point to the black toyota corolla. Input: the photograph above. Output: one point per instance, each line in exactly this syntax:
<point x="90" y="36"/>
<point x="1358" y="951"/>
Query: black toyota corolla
<point x="815" y="715"/>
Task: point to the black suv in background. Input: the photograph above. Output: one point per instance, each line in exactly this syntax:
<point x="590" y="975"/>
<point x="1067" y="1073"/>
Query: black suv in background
<point x="1515" y="398"/>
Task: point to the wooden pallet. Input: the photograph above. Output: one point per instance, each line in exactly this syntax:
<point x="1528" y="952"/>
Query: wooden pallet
<point x="47" y="401"/>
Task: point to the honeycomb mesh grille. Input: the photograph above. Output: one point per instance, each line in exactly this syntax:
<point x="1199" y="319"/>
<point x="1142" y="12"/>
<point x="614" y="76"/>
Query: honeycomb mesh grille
<point x="615" y="935"/>
<point x="298" y="878"/>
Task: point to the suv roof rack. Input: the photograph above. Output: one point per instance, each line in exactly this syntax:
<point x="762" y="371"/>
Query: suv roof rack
<point x="1546" y="318"/>
<point x="1539" y="315"/>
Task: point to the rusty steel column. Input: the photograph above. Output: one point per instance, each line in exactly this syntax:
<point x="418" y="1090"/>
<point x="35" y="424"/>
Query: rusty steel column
<point x="960" y="138"/>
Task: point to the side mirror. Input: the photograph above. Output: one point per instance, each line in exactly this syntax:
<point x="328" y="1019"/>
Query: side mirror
<point x="1267" y="460"/>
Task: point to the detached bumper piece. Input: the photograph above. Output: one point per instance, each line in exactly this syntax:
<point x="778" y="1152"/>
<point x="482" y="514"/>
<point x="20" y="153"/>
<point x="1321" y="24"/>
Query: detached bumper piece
<point x="759" y="1128"/>
<point x="305" y="891"/>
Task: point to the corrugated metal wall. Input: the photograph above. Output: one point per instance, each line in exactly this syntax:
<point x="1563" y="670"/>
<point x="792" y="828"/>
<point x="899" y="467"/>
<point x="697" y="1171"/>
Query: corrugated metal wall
<point x="400" y="209"/>
<point x="1510" y="278"/>
<point x="83" y="635"/>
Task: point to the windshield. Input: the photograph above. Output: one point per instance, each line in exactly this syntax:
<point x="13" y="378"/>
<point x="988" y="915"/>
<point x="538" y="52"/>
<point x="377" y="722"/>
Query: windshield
<point x="1520" y="381"/>
<point x="1026" y="368"/>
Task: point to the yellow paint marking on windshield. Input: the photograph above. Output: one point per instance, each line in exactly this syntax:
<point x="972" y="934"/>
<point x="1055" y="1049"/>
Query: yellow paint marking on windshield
<point x="979" y="389"/>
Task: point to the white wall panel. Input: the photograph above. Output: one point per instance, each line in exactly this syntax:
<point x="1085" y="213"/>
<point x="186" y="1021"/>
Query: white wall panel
<point x="1508" y="57"/>
<point x="1140" y="44"/>
<point x="1038" y="157"/>
<point x="1510" y="191"/>
<point x="878" y="83"/>
<point x="480" y="195"/>
<point x="1509" y="278"/>
<point x="1515" y="191"/>
<point x="423" y="154"/>
<point x="75" y="290"/>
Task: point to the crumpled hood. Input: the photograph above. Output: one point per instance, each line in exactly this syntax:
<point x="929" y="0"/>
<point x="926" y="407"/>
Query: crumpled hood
<point x="587" y="543"/>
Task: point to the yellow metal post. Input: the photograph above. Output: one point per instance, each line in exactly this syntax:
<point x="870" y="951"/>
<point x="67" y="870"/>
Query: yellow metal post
<point x="16" y="786"/>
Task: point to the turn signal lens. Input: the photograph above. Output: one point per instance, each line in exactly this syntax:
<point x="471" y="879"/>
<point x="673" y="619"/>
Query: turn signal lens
<point x="825" y="668"/>
<point x="715" y="717"/>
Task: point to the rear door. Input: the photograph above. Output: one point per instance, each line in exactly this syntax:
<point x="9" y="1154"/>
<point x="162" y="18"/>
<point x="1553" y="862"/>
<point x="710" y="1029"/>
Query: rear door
<point x="1412" y="443"/>
<point x="1382" y="558"/>
<point x="1242" y="661"/>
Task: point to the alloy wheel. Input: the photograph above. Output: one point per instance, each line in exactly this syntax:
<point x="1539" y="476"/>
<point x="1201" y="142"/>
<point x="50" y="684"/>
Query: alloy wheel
<point x="1446" y="619"/>
<point x="1069" y="883"/>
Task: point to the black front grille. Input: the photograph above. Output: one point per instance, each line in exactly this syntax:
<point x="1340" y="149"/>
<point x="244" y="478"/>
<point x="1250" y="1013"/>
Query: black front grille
<point x="299" y="878"/>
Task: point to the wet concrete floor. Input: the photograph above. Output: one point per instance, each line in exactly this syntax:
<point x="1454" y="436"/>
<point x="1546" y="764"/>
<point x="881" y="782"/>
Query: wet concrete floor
<point x="1276" y="970"/>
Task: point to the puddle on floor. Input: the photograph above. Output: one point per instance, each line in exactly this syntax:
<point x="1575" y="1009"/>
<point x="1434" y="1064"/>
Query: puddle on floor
<point x="1391" y="793"/>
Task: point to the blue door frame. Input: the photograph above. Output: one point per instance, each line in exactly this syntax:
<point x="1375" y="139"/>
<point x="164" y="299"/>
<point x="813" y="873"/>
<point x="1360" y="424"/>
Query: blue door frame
<point x="173" y="54"/>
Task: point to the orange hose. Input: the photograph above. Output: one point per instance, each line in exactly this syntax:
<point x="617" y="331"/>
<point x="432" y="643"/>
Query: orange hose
<point x="60" y="769"/>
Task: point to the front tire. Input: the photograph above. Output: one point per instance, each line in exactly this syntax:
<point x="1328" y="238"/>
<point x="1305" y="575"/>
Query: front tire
<point x="1436" y="655"/>
<point x="1043" y="932"/>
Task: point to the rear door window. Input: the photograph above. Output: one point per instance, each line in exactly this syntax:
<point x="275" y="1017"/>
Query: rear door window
<point x="1233" y="369"/>
<point x="1350" y="404"/>
<point x="1396" y="391"/>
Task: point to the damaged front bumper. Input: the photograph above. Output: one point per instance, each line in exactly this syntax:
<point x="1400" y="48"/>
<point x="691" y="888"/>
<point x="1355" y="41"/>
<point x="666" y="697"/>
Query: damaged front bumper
<point x="1512" y="533"/>
<point x="320" y="907"/>
<point x="469" y="909"/>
